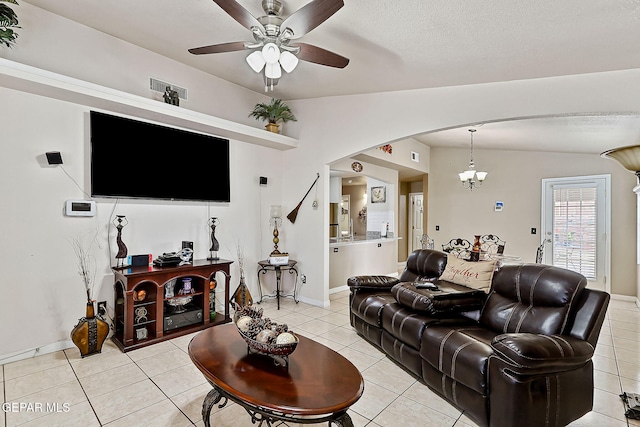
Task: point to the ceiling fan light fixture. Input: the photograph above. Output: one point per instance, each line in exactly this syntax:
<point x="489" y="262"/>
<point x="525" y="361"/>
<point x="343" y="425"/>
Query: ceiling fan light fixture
<point x="256" y="61"/>
<point x="271" y="53"/>
<point x="288" y="61"/>
<point x="273" y="71"/>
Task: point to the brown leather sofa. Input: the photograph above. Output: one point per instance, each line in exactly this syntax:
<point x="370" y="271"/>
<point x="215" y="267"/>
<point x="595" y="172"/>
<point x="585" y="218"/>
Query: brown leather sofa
<point x="522" y="359"/>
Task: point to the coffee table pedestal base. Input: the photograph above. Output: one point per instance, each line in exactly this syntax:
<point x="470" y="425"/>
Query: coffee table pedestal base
<point x="265" y="417"/>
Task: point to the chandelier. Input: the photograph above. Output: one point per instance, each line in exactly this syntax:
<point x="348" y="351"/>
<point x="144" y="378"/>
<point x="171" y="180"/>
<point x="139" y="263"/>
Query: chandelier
<point x="470" y="178"/>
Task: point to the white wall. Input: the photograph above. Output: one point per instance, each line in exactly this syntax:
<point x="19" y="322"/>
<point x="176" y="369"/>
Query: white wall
<point x="336" y="127"/>
<point x="401" y="155"/>
<point x="328" y="129"/>
<point x="47" y="294"/>
<point x="463" y="213"/>
<point x="57" y="44"/>
<point x="44" y="295"/>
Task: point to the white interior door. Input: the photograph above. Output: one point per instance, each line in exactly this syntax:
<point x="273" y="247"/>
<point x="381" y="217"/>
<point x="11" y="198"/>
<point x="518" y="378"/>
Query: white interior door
<point x="416" y="211"/>
<point x="576" y="226"/>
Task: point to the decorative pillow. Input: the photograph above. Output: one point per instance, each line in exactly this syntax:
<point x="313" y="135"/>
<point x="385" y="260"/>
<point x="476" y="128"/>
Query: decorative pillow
<point x="476" y="275"/>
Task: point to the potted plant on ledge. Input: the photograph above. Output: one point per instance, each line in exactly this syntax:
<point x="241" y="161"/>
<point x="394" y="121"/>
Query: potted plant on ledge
<point x="273" y="112"/>
<point x="8" y="21"/>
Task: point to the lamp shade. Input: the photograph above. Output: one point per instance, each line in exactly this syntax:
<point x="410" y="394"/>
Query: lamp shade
<point x="272" y="71"/>
<point x="271" y="53"/>
<point x="276" y="211"/>
<point x="481" y="175"/>
<point x="288" y="61"/>
<point x="628" y="157"/>
<point x="256" y="61"/>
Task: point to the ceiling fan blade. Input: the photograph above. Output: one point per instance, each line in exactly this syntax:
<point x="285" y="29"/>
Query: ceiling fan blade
<point x="239" y="13"/>
<point x="310" y="16"/>
<point x="218" y="48"/>
<point x="318" y="55"/>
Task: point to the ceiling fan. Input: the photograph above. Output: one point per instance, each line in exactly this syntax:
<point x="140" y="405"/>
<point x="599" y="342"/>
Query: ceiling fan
<point x="273" y="35"/>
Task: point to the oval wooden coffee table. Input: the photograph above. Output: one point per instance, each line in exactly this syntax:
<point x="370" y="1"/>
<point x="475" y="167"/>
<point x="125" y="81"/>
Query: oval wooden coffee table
<point x="319" y="385"/>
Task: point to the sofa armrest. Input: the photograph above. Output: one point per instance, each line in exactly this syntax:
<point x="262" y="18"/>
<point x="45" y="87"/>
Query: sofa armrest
<point x="372" y="282"/>
<point x="537" y="353"/>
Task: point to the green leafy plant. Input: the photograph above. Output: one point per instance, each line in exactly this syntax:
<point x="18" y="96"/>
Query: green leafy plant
<point x="8" y="21"/>
<point x="273" y="112"/>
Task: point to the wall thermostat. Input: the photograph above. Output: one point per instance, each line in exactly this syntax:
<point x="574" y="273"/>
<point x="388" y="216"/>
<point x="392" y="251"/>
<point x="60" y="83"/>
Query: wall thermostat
<point x="80" y="208"/>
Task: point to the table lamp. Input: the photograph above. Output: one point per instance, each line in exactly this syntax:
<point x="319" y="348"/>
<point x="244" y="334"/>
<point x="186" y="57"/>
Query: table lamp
<point x="275" y="220"/>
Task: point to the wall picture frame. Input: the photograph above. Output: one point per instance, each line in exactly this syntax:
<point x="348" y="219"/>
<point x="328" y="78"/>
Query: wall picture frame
<point x="379" y="194"/>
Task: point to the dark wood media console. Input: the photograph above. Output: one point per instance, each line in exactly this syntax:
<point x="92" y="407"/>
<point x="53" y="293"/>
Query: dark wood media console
<point x="139" y="322"/>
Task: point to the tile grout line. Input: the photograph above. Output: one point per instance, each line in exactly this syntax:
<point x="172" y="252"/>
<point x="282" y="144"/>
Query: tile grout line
<point x="157" y="386"/>
<point x="75" y="374"/>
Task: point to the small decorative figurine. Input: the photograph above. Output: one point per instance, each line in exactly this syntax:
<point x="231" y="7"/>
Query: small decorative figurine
<point x="171" y="96"/>
<point x="122" y="248"/>
<point x="215" y="245"/>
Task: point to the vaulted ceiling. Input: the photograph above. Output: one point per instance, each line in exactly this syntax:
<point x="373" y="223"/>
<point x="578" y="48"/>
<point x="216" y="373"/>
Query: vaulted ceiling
<point x="403" y="45"/>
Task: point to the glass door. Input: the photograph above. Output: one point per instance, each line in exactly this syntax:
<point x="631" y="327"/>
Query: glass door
<point x="575" y="226"/>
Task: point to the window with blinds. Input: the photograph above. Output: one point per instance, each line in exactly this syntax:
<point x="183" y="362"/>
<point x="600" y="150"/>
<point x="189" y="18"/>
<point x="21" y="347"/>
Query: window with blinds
<point x="575" y="229"/>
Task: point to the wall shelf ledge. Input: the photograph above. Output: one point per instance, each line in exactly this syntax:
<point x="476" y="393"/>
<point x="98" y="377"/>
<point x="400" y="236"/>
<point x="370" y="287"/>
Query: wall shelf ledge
<point x="25" y="78"/>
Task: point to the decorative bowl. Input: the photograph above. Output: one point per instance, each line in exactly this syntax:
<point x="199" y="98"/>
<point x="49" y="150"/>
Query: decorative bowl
<point x="178" y="303"/>
<point x="266" y="348"/>
<point x="272" y="349"/>
<point x="180" y="300"/>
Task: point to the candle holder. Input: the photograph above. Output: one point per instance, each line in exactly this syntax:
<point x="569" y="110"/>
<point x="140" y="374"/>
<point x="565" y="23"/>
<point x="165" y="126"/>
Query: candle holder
<point x="215" y="245"/>
<point x="120" y="222"/>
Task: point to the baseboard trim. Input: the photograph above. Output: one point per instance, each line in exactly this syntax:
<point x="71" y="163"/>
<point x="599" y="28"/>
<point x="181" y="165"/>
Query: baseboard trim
<point x="37" y="351"/>
<point x="628" y="298"/>
<point x="317" y="303"/>
<point x="338" y="289"/>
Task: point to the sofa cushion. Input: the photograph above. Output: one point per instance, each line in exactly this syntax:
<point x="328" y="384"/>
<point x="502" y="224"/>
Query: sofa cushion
<point x="405" y="324"/>
<point x="449" y="298"/>
<point x="460" y="353"/>
<point x="424" y="264"/>
<point x="533" y="298"/>
<point x="368" y="305"/>
<point x="476" y="275"/>
<point x="372" y="283"/>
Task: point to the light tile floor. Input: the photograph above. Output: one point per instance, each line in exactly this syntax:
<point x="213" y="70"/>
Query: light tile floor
<point x="159" y="386"/>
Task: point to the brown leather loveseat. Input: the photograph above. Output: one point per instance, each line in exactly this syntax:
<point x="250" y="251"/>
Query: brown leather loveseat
<point x="520" y="358"/>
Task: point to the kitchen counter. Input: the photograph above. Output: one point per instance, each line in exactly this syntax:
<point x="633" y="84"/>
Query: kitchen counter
<point x="358" y="240"/>
<point x="361" y="256"/>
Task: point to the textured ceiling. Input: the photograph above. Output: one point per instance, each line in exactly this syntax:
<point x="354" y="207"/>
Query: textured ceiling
<point x="408" y="44"/>
<point x="392" y="45"/>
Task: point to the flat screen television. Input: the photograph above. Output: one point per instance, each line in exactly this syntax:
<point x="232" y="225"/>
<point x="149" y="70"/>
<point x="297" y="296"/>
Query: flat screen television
<point x="134" y="159"/>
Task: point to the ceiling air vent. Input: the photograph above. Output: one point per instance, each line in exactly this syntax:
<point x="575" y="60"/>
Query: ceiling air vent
<point x="161" y="86"/>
